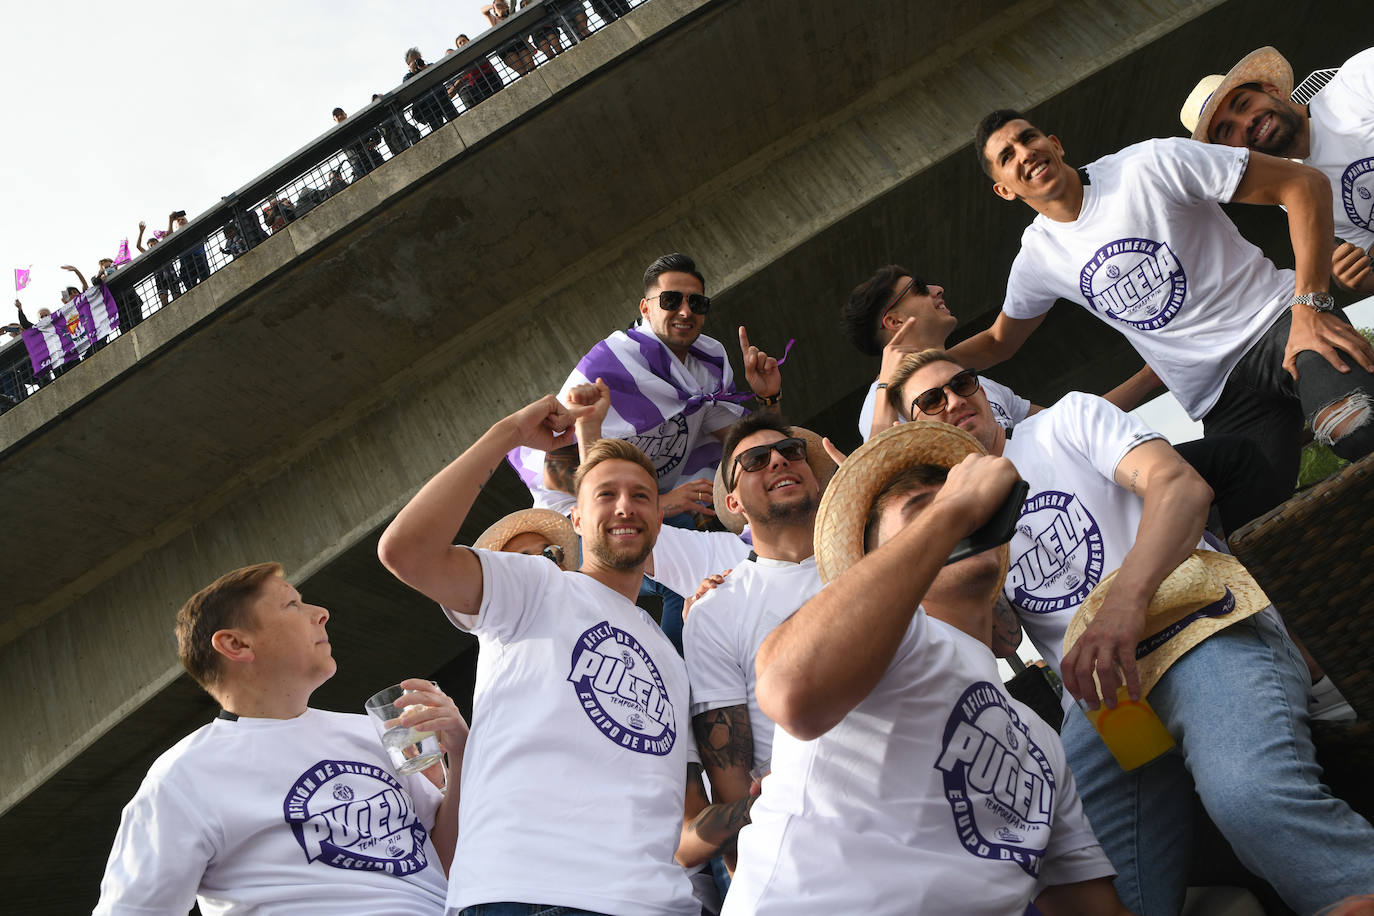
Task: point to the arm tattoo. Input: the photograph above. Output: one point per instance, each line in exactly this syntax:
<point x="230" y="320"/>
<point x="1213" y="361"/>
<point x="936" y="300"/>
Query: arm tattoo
<point x="1135" y="480"/>
<point x="719" y="825"/>
<point x="724" y="737"/>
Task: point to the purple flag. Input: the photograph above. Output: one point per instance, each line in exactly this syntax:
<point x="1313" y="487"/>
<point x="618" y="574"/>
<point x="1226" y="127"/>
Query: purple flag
<point x="122" y="255"/>
<point x="21" y="278"/>
<point x="68" y="332"/>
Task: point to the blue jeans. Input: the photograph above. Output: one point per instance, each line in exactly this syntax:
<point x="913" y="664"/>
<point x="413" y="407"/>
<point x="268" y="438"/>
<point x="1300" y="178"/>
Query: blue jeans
<point x="522" y="909"/>
<point x="1237" y="706"/>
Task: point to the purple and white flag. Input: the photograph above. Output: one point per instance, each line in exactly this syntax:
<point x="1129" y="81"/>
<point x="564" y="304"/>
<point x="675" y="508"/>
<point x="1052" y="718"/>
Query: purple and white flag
<point x="21" y="277"/>
<point x="122" y="255"/>
<point x="68" y="332"/>
<point x="654" y="397"/>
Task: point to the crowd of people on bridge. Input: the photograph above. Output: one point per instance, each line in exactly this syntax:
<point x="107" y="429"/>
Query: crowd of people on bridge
<point x="816" y="723"/>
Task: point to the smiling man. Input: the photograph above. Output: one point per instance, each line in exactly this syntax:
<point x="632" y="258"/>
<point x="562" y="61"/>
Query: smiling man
<point x="1252" y="106"/>
<point x="275" y="806"/>
<point x="1107" y="493"/>
<point x="574" y="790"/>
<point x="1138" y="238"/>
<point x="773" y="476"/>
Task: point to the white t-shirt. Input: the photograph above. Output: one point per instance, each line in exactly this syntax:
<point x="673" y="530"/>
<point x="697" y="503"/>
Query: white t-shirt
<point x="726" y="627"/>
<point x="1342" y="146"/>
<point x="1152" y="254"/>
<point x="1008" y="407"/>
<point x="576" y="767"/>
<point x="682" y="557"/>
<point x="938" y="793"/>
<point x="289" y="816"/>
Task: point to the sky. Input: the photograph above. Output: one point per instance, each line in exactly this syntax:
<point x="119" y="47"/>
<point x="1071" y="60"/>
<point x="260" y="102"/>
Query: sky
<point x="128" y="112"/>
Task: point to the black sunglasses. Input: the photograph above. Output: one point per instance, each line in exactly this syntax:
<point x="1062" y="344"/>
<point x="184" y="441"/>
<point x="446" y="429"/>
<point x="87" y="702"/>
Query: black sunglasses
<point x="756" y="458"/>
<point x="670" y="300"/>
<point x="932" y="400"/>
<point x="554" y="552"/>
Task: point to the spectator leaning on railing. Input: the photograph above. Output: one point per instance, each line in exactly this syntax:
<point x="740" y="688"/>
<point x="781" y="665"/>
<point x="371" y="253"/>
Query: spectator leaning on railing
<point x="433" y="108"/>
<point x="399" y="133"/>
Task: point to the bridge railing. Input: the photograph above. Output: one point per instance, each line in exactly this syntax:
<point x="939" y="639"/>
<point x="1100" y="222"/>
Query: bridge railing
<point x="369" y="137"/>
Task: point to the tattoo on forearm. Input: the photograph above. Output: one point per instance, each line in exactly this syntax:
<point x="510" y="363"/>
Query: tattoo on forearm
<point x="724" y="737"/>
<point x="1135" y="480"/>
<point x="719" y="825"/>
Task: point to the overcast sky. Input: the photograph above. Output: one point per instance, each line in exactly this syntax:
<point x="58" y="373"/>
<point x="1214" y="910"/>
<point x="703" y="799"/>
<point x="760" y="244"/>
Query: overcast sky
<point x="122" y="112"/>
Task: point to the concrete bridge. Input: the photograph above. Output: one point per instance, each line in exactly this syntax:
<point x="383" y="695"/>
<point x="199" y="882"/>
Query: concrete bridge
<point x="288" y="406"/>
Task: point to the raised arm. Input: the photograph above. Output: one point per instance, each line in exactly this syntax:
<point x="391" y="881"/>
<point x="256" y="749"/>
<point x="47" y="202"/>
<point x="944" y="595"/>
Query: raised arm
<point x="1176" y="504"/>
<point x="1306" y="194"/>
<point x="142" y="226"/>
<point x="24" y="322"/>
<point x="825" y="659"/>
<point x="997" y="344"/>
<point x="762" y="373"/>
<point x="84" y="285"/>
<point x="418" y="545"/>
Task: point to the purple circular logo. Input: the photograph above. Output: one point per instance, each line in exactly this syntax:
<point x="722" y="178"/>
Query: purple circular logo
<point x="1138" y="282"/>
<point x="621" y="691"/>
<point x="1356" y="182"/>
<point x="1056" y="555"/>
<point x="665" y="444"/>
<point x="354" y="815"/>
<point x="998" y="782"/>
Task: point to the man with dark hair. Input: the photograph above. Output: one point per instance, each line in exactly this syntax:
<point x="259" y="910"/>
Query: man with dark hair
<point x="1139" y="239"/>
<point x="574" y="680"/>
<point x="1333" y="131"/>
<point x="1107" y="493"/>
<point x="773" y="476"/>
<point x="672" y="389"/>
<point x="274" y="805"/>
<point x="904" y="778"/>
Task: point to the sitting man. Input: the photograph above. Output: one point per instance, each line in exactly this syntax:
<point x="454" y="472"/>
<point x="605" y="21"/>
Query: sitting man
<point x="1106" y="493"/>
<point x="773" y="476"/>
<point x="1334" y="133"/>
<point x="904" y="778"/>
<point x="672" y="390"/>
<point x="575" y="787"/>
<point x="1139" y="239"/>
<point x="275" y="806"/>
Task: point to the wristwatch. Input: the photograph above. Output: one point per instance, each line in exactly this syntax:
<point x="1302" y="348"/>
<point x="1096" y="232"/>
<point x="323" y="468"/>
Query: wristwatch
<point x="1318" y="302"/>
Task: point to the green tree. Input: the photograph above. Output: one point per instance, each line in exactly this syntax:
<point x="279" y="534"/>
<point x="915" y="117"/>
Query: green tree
<point x="1318" y="461"/>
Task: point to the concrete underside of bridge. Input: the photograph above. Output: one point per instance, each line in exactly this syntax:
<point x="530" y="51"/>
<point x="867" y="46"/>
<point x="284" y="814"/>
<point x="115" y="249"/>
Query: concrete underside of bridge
<point x="286" y="408"/>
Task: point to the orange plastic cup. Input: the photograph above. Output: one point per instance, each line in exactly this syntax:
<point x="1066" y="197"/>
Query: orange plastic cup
<point x="1131" y="731"/>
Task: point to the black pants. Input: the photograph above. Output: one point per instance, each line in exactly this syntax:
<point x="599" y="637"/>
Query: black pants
<point x="1262" y="404"/>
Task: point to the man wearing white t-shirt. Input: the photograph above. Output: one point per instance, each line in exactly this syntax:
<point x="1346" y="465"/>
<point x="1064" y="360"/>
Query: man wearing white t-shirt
<point x="575" y="779"/>
<point x="770" y="479"/>
<point x="274" y="806"/>
<point x="1251" y="106"/>
<point x="904" y="778"/>
<point x="1107" y="493"/>
<point x="1139" y="239"/>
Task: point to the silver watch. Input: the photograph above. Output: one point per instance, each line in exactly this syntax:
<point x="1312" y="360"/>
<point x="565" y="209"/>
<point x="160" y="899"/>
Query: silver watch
<point x="1318" y="302"/>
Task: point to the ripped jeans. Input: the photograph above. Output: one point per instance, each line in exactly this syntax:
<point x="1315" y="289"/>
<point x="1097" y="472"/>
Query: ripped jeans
<point x="1263" y="404"/>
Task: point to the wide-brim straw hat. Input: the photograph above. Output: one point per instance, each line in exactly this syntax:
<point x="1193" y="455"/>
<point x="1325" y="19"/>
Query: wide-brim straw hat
<point x="822" y="466"/>
<point x="1206" y="593"/>
<point x="552" y="525"/>
<point x="1263" y="66"/>
<point x="864" y="474"/>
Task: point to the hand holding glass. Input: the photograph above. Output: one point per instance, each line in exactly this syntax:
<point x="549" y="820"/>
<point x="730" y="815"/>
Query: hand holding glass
<point x="410" y="749"/>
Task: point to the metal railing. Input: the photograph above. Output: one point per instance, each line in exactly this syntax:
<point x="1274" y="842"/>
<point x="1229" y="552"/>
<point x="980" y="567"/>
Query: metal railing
<point x="442" y="91"/>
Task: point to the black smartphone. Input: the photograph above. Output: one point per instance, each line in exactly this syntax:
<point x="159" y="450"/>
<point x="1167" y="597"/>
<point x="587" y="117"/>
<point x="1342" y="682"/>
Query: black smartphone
<point x="997" y="530"/>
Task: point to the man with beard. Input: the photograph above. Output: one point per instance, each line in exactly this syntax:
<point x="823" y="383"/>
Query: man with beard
<point x="574" y="787"/>
<point x="773" y="477"/>
<point x="1252" y="106"/>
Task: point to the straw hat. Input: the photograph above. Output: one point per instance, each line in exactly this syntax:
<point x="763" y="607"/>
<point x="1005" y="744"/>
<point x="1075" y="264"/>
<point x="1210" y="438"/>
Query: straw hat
<point x="553" y="526"/>
<point x="1207" y="592"/>
<point x="845" y="506"/>
<point x="816" y="456"/>
<point x="1263" y="66"/>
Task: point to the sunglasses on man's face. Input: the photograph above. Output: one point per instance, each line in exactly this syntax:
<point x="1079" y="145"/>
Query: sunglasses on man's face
<point x="554" y="552"/>
<point x="757" y="458"/>
<point x="670" y="300"/>
<point x="911" y="284"/>
<point x="933" y="401"/>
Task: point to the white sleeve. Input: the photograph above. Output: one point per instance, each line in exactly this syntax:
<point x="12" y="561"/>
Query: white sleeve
<point x="159" y="856"/>
<point x="1073" y="853"/>
<point x="866" y="411"/>
<point x="1027" y="294"/>
<point x="713" y="664"/>
<point x="1008" y="407"/>
<point x="512" y="586"/>
<point x="682" y="557"/>
<point x="1100" y="431"/>
<point x="1187" y="171"/>
<point x="1356" y="77"/>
